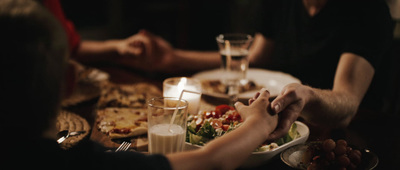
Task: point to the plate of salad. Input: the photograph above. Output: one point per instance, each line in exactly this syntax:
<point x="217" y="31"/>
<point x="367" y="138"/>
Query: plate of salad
<point x="208" y="125"/>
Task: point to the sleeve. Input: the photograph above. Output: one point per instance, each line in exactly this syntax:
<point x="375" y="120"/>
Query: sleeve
<point x="74" y="38"/>
<point x="132" y="160"/>
<point x="370" y="36"/>
<point x="92" y="155"/>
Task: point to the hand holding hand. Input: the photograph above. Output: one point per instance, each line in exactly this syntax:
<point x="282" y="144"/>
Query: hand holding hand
<point x="258" y="109"/>
<point x="289" y="104"/>
<point x="145" y="51"/>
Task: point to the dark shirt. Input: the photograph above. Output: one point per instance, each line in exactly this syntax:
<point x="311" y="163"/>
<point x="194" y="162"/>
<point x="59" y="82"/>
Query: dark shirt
<point x="86" y="155"/>
<point x="309" y="48"/>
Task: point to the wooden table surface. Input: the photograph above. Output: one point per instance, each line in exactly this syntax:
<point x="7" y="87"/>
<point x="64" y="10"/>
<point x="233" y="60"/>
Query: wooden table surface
<point x="362" y="132"/>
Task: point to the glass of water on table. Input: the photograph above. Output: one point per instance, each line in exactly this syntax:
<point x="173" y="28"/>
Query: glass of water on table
<point x="234" y="50"/>
<point x="166" y="125"/>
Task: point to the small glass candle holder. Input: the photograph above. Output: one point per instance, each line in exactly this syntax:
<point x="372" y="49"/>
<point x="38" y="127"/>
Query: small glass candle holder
<point x="173" y="87"/>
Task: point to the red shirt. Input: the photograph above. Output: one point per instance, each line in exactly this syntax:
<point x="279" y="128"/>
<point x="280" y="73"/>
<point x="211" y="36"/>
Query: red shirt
<point x="74" y="38"/>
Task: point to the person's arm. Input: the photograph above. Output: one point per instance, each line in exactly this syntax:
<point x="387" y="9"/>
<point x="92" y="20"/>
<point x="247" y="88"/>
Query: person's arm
<point x="259" y="53"/>
<point x="109" y="50"/>
<point x="353" y="77"/>
<point x="161" y="56"/>
<point x="260" y="50"/>
<point x="233" y="148"/>
<point x="330" y="108"/>
<point x="196" y="60"/>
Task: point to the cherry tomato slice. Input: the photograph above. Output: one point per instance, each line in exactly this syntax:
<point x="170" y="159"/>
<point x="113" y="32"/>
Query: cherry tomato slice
<point x="216" y="114"/>
<point x="216" y="123"/>
<point x="224" y="108"/>
<point x="225" y="127"/>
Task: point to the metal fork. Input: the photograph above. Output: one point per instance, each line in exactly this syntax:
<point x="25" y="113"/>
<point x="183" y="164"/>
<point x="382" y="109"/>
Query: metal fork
<point x="123" y="147"/>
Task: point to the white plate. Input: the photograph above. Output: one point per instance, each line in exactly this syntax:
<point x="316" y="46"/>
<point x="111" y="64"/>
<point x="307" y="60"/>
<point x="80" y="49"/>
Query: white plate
<point x="274" y="81"/>
<point x="258" y="158"/>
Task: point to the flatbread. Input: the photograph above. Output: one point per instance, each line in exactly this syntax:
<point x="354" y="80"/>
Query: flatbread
<point x="122" y="122"/>
<point x="127" y="96"/>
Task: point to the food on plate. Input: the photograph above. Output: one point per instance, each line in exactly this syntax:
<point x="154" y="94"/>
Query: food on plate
<point x="92" y="75"/>
<point x="84" y="83"/>
<point x="208" y="125"/>
<point x="122" y="122"/>
<point x="216" y="86"/>
<point x="131" y="96"/>
<point x="332" y="155"/>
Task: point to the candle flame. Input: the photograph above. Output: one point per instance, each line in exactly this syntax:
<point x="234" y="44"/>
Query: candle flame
<point x="181" y="85"/>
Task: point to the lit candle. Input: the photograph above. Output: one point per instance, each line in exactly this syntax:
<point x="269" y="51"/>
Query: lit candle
<point x="173" y="87"/>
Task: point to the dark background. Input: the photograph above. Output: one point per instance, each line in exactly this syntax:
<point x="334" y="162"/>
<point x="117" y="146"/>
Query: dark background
<point x="185" y="24"/>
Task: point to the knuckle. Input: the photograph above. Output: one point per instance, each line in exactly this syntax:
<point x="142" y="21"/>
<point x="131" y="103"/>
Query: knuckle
<point x="291" y="93"/>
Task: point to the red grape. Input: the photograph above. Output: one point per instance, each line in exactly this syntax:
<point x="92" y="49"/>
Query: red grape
<point x="355" y="157"/>
<point x="340" y="150"/>
<point x="328" y="145"/>
<point x="343" y="160"/>
<point x="341" y="142"/>
<point x="330" y="154"/>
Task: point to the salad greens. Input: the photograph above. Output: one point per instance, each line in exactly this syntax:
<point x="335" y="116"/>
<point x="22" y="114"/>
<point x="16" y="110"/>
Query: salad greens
<point x="209" y="125"/>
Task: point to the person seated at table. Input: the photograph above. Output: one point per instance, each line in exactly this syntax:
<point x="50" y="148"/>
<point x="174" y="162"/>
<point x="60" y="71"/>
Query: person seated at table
<point x="34" y="52"/>
<point x="333" y="47"/>
<point x="92" y="50"/>
<point x="117" y="51"/>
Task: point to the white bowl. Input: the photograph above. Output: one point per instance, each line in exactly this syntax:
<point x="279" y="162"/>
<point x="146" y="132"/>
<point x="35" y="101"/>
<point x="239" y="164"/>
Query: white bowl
<point x="258" y="158"/>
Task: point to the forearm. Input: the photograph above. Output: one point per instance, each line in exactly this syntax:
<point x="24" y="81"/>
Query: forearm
<point x="226" y="152"/>
<point x="330" y="108"/>
<point x="336" y="107"/>
<point x="196" y="60"/>
<point x="91" y="51"/>
<point x="233" y="150"/>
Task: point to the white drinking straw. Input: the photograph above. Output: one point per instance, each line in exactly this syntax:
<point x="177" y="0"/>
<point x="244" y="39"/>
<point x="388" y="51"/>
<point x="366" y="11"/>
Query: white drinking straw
<point x="177" y="106"/>
<point x="228" y="55"/>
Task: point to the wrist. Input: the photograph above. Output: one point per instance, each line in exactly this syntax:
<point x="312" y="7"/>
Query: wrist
<point x="111" y="45"/>
<point x="261" y="124"/>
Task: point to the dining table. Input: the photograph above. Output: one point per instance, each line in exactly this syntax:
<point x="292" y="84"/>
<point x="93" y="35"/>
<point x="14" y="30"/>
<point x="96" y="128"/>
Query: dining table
<point x="366" y="130"/>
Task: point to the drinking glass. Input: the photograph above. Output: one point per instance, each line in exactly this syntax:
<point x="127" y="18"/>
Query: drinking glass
<point x="234" y="50"/>
<point x="166" y="125"/>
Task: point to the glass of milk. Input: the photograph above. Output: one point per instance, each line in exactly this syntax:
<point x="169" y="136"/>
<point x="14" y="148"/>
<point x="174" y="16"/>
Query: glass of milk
<point x="166" y="133"/>
<point x="173" y="87"/>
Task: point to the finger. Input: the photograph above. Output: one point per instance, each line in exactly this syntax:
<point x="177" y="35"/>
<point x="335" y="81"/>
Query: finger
<point x="262" y="98"/>
<point x="251" y="101"/>
<point x="147" y="33"/>
<point x="256" y="95"/>
<point x="136" y="43"/>
<point x="239" y="106"/>
<point x="280" y="131"/>
<point x="285" y="122"/>
<point x="135" y="51"/>
<point x="283" y="100"/>
<point x="146" y="40"/>
<point x="136" y="48"/>
<point x="263" y="93"/>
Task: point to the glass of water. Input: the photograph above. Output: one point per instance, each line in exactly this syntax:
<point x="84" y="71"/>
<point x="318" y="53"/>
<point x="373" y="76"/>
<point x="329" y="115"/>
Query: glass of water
<point x="234" y="50"/>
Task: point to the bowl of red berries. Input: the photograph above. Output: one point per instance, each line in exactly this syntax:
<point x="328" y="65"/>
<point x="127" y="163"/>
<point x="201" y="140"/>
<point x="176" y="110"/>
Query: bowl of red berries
<point x="329" y="154"/>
